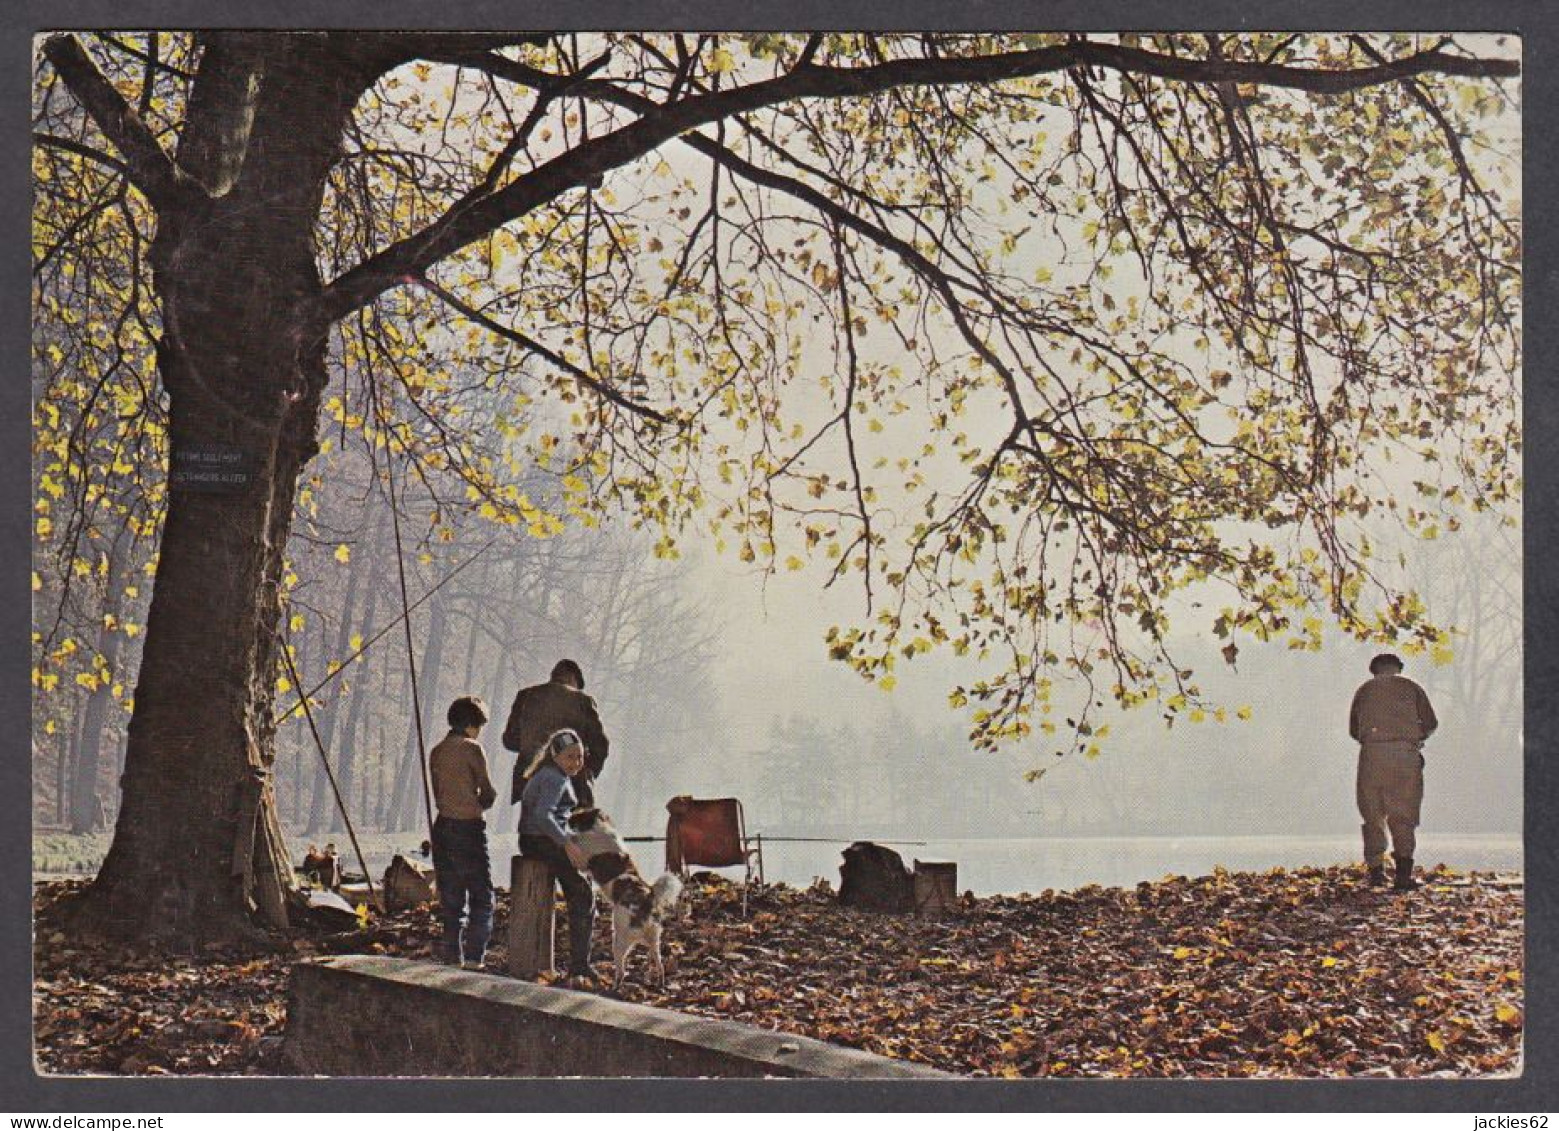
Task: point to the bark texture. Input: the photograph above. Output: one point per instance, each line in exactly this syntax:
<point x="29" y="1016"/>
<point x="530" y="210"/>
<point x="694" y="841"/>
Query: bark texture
<point x="197" y="848"/>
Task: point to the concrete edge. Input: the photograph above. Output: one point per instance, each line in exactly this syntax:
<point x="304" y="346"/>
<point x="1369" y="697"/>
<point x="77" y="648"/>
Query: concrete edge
<point x="786" y="1053"/>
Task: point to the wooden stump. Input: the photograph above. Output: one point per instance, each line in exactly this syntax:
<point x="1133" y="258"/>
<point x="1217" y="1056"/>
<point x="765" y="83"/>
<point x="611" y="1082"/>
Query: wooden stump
<point x="936" y="887"/>
<point x="530" y="917"/>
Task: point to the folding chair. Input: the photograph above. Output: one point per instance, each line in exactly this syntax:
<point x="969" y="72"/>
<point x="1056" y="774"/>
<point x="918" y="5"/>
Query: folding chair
<point x="712" y="833"/>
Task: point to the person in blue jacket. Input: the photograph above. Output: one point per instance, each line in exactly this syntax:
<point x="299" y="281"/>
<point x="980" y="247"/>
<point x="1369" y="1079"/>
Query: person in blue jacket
<point x="545" y="806"/>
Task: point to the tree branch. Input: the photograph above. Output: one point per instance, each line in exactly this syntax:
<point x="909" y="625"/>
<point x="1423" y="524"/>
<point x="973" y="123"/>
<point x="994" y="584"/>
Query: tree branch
<point x="222" y="102"/>
<point x="605" y="391"/>
<point x="588" y="160"/>
<point x="54" y="141"/>
<point x="148" y="167"/>
<point x="153" y="63"/>
<point x="1452" y="143"/>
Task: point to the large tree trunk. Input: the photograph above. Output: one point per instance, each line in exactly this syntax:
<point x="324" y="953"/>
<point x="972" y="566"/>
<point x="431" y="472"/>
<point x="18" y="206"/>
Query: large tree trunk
<point x="197" y="847"/>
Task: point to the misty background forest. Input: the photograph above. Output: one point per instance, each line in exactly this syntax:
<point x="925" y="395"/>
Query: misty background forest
<point x="714" y="680"/>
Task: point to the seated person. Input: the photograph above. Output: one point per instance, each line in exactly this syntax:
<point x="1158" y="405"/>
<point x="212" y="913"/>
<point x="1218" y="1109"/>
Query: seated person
<point x="545" y="806"/>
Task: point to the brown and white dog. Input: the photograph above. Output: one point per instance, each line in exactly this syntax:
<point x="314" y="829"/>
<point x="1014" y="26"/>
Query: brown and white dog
<point x="638" y="908"/>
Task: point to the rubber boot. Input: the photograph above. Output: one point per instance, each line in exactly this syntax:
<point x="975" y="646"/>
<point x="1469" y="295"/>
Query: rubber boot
<point x="1377" y="876"/>
<point x="1404" y="879"/>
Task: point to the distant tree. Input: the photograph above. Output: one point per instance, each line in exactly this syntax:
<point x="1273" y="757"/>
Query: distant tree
<point x="1029" y="333"/>
<point x="1476" y="678"/>
<point x="802" y="770"/>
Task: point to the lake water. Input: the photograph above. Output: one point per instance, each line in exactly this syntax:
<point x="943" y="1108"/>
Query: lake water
<point x="989" y="867"/>
<point x="997" y="866"/>
<point x="1010" y="866"/>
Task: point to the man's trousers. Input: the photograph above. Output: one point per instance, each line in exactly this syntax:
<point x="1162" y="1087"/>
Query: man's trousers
<point x="1390" y="789"/>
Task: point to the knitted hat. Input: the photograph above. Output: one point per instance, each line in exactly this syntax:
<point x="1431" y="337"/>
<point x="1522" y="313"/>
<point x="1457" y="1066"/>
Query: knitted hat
<point x="561" y="741"/>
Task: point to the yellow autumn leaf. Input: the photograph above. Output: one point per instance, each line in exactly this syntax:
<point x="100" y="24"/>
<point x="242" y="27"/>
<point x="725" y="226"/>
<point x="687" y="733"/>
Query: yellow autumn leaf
<point x="1183" y="952"/>
<point x="1436" y="1041"/>
<point x="1507" y="1014"/>
<point x="343" y="554"/>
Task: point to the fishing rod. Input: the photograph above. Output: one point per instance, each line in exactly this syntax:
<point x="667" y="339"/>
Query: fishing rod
<point x="330" y="774"/>
<point x="787" y="840"/>
<point x="406" y="613"/>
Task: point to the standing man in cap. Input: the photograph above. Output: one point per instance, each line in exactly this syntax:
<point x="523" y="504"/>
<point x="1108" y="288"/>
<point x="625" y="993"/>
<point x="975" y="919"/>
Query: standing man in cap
<point x="1390" y="719"/>
<point x="541" y="711"/>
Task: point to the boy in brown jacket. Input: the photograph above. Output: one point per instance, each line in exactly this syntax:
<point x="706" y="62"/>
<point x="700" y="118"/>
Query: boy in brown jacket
<point x="463" y="792"/>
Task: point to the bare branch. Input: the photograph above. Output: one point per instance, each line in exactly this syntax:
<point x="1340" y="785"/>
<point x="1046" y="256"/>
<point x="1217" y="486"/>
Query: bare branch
<point x="149" y="168"/>
<point x="587" y="161"/>
<point x="54" y="141"/>
<point x="605" y="391"/>
<point x="153" y="63"/>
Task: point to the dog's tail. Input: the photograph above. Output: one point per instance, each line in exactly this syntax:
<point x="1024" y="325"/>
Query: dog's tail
<point x="664" y="893"/>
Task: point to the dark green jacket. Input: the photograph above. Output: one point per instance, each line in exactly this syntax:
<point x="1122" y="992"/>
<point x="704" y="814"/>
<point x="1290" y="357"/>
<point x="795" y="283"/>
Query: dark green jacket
<point x="538" y="712"/>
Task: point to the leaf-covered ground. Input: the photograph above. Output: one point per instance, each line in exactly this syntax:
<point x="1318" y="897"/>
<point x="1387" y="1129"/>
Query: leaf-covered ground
<point x="1282" y="974"/>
